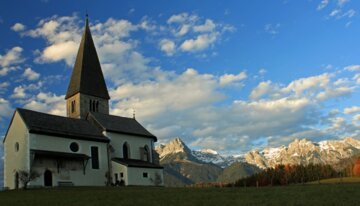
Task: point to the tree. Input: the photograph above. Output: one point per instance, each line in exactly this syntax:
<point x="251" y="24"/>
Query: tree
<point x="356" y="168"/>
<point x="108" y="177"/>
<point x="27" y="176"/>
<point x="157" y="180"/>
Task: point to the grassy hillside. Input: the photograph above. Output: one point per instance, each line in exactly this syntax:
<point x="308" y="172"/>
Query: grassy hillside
<point x="337" y="180"/>
<point x="337" y="194"/>
<point x="237" y="171"/>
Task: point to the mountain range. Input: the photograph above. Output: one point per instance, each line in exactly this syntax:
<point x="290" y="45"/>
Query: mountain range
<point x="304" y="152"/>
<point x="183" y="166"/>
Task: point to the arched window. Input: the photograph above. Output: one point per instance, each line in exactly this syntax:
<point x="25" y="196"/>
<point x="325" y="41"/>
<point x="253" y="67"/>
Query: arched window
<point x="72" y="106"/>
<point x="17" y="146"/>
<point x="90" y="105"/>
<point x="126" y="151"/>
<point x="93" y="106"/>
<point x="97" y="106"/>
<point x="146" y="154"/>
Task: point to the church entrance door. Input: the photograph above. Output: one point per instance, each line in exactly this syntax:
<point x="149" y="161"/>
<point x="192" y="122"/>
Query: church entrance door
<point x="16" y="180"/>
<point x="48" y="178"/>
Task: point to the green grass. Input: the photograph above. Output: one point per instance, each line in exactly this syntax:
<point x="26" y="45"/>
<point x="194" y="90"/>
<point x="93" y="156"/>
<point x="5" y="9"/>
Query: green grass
<point x="333" y="194"/>
<point x="338" y="180"/>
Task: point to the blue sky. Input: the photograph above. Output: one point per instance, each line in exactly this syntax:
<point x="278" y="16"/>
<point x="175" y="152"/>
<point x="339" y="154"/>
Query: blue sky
<point x="226" y="75"/>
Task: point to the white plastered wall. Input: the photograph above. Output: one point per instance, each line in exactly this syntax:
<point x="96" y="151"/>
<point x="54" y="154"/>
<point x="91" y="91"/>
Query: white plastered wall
<point x="72" y="172"/>
<point x="119" y="168"/>
<point x="134" y="175"/>
<point x="135" y="142"/>
<point x="15" y="160"/>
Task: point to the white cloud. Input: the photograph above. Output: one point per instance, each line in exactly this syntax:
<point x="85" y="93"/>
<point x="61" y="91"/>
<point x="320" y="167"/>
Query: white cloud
<point x="195" y="33"/>
<point x="319" y="88"/>
<point x="59" y="51"/>
<point x="179" y="93"/>
<point x="116" y="28"/>
<point x="356" y="117"/>
<point x="357" y="78"/>
<point x="342" y="2"/>
<point x="338" y="14"/>
<point x="201" y="42"/>
<point x="167" y="46"/>
<point x="227" y="79"/>
<point x="310" y="84"/>
<point x="262" y="72"/>
<point x="208" y="26"/>
<point x="18" y="27"/>
<point x="351" y="110"/>
<point x="272" y="28"/>
<point x="352" y="68"/>
<point x="13" y="56"/>
<point x="183" y="105"/>
<point x="350" y="13"/>
<point x="48" y="103"/>
<point x="182" y="17"/>
<point x="4" y="85"/>
<point x="132" y="10"/>
<point x="261" y="89"/>
<point x="5" y="70"/>
<point x="112" y="38"/>
<point x="334" y="12"/>
<point x="348" y="24"/>
<point x="19" y="92"/>
<point x="115" y="45"/>
<point x="184" y="29"/>
<point x="30" y="74"/>
<point x="334" y="93"/>
<point x="147" y="24"/>
<point x="62" y="35"/>
<point x="337" y="10"/>
<point x="323" y="4"/>
<point x="56" y="29"/>
<point x="5" y="108"/>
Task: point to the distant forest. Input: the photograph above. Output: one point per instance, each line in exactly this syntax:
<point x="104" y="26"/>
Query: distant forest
<point x="298" y="174"/>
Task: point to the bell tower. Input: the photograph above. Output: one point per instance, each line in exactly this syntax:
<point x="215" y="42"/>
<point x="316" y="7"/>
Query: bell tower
<point x="87" y="91"/>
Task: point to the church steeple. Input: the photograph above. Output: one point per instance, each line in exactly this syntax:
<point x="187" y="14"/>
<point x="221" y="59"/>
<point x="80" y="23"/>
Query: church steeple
<point x="87" y="89"/>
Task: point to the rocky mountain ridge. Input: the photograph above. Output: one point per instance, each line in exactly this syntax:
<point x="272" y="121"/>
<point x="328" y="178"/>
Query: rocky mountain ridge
<point x="181" y="167"/>
<point x="305" y="152"/>
<point x="297" y="152"/>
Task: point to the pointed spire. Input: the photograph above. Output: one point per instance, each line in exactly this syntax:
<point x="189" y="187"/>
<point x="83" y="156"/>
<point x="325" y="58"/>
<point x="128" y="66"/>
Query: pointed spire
<point x="86" y="20"/>
<point x="87" y="77"/>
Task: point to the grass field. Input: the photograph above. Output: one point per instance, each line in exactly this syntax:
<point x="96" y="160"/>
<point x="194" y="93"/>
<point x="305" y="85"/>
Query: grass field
<point x="333" y="194"/>
<point x="338" y="180"/>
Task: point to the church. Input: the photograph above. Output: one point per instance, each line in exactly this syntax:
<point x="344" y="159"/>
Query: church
<point x="88" y="147"/>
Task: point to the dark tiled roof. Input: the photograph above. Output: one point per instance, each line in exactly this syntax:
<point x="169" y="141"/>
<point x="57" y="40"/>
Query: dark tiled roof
<point x="136" y="163"/>
<point x="122" y="125"/>
<point x="66" y="127"/>
<point x="59" y="154"/>
<point x="87" y="76"/>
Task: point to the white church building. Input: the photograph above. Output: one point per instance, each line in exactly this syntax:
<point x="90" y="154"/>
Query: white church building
<point x="89" y="147"/>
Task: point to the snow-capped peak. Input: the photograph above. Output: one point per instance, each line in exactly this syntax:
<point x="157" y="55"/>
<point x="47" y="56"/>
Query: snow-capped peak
<point x="174" y="146"/>
<point x="304" y="152"/>
<point x="209" y="151"/>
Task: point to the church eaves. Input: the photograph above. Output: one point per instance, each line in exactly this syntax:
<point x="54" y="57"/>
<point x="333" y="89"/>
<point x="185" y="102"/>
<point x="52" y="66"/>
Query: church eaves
<point x="87" y="77"/>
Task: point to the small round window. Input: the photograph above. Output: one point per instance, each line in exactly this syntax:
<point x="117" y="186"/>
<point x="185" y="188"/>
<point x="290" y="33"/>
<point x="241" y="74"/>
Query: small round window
<point x="16" y="146"/>
<point x="74" y="147"/>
